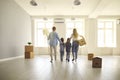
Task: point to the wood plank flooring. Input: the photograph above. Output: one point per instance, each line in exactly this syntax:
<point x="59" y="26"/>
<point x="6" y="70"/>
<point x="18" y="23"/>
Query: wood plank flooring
<point x="40" y="68"/>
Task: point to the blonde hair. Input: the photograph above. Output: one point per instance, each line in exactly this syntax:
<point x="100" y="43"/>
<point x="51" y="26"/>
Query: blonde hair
<point x="75" y="34"/>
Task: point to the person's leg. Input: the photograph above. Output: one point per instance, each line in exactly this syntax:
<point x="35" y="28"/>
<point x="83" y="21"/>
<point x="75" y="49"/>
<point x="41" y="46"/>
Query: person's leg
<point x="55" y="53"/>
<point x="51" y="53"/>
<point x="73" y="50"/>
<point x="68" y="56"/>
<point x="60" y="55"/>
<point x="76" y="50"/>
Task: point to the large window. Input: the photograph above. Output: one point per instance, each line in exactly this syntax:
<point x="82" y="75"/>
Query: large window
<point x="42" y="28"/>
<point x="106" y="33"/>
<point x="75" y="23"/>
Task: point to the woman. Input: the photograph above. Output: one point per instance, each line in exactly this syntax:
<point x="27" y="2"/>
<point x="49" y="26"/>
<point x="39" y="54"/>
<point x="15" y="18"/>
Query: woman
<point x="75" y="44"/>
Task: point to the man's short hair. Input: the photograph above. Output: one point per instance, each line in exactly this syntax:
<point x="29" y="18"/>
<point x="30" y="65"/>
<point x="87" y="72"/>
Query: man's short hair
<point x="54" y="28"/>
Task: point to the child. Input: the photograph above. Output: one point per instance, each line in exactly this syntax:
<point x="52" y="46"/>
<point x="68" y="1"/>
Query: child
<point x="62" y="47"/>
<point x="68" y="47"/>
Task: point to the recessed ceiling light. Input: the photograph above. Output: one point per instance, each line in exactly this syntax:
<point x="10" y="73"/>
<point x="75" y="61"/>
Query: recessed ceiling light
<point x="77" y="2"/>
<point x="33" y="3"/>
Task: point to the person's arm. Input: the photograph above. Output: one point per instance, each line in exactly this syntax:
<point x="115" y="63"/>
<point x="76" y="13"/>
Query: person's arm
<point x="71" y="36"/>
<point x="58" y="38"/>
<point x="48" y="37"/>
<point x="81" y="36"/>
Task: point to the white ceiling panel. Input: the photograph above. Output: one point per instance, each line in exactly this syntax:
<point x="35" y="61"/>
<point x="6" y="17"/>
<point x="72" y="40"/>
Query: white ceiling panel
<point x="91" y="8"/>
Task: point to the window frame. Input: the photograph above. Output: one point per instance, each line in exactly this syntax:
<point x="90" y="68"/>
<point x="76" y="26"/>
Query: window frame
<point x="105" y="29"/>
<point x="37" y="29"/>
<point x="75" y="21"/>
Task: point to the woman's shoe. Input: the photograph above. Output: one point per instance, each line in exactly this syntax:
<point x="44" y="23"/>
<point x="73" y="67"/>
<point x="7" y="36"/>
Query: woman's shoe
<point x="72" y="59"/>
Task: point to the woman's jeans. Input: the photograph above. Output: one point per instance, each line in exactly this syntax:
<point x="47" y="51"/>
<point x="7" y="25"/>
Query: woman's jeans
<point x="75" y="47"/>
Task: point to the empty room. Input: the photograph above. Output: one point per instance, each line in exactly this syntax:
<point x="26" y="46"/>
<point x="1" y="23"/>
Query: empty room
<point x="59" y="40"/>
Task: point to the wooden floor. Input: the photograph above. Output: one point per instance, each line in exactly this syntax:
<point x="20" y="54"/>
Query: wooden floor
<point x="40" y="68"/>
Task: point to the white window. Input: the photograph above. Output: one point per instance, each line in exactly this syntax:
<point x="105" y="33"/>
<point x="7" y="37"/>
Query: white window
<point x="106" y="36"/>
<point x="76" y="23"/>
<point x="42" y="29"/>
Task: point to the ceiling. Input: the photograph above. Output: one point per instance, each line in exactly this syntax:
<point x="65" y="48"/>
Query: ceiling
<point x="91" y="8"/>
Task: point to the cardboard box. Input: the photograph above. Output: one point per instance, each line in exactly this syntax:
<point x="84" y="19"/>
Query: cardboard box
<point x="90" y="56"/>
<point x="28" y="48"/>
<point x="29" y="55"/>
<point x="97" y="62"/>
<point x="82" y="42"/>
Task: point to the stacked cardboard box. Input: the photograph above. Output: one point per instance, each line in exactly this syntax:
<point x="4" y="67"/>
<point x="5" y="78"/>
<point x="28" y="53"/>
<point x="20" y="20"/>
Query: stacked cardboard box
<point x="29" y="52"/>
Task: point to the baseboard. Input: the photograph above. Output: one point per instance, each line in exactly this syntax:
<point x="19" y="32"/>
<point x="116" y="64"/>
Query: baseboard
<point x="11" y="58"/>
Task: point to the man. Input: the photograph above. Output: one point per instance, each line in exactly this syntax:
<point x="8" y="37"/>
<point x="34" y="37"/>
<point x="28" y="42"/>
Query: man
<point x="53" y="41"/>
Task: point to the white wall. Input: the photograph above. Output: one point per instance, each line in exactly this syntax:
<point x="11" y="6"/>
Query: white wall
<point x="91" y="39"/>
<point x="15" y="29"/>
<point x="61" y="29"/>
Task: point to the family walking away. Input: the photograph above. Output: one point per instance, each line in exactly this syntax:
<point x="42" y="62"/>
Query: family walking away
<point x="53" y="42"/>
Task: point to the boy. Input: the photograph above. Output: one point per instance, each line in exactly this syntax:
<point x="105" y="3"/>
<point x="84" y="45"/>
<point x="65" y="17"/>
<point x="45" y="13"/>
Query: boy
<point x="62" y="47"/>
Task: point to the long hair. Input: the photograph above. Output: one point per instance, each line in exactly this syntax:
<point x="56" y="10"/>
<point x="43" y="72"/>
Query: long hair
<point x="75" y="34"/>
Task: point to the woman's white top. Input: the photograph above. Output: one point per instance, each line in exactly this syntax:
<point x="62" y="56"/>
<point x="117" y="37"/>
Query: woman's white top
<point x="76" y="38"/>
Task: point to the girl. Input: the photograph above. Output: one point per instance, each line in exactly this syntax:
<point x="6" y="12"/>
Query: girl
<point x="68" y="47"/>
